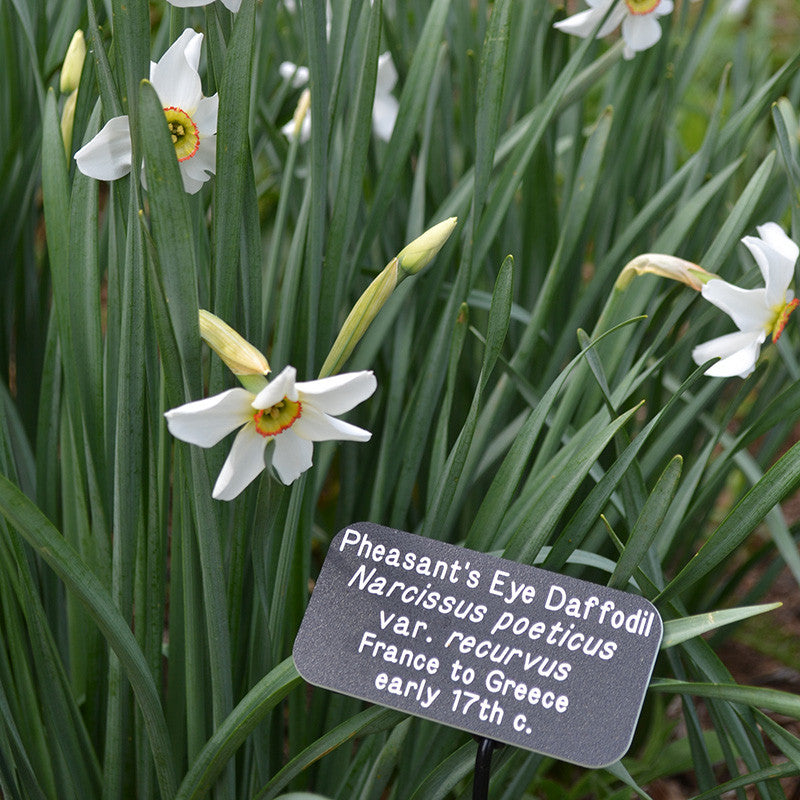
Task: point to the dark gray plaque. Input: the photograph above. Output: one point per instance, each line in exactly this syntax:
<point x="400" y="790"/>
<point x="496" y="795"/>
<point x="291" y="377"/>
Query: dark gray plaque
<point x="503" y="650"/>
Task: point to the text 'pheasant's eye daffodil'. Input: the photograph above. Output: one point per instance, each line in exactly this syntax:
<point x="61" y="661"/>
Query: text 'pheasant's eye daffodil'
<point x="758" y="313"/>
<point x="639" y="19"/>
<point x="191" y="118"/>
<point x="292" y="415"/>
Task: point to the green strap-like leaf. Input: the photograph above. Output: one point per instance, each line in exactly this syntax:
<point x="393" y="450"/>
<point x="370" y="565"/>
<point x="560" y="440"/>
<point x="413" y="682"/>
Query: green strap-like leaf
<point x="648" y="524"/>
<point x="679" y="630"/>
<point x="777" y="483"/>
<point x="370" y="721"/>
<point x="40" y="534"/>
<point x="253" y="707"/>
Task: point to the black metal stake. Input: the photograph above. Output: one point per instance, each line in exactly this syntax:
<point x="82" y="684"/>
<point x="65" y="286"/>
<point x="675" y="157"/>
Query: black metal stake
<point x="483" y="765"/>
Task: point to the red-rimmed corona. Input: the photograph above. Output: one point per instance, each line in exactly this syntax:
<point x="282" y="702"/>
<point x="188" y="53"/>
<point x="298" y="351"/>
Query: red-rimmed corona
<point x="642" y="6"/>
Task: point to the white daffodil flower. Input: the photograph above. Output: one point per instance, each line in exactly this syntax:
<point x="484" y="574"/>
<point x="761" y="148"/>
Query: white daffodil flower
<point x="639" y="19"/>
<point x="231" y="5"/>
<point x="384" y="107"/>
<point x="290" y="414"/>
<point x="756" y="312"/>
<point x="192" y="121"/>
<point x="295" y="75"/>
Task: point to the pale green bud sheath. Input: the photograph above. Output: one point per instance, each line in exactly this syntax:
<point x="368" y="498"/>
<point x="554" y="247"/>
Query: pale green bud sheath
<point x="409" y="261"/>
<point x="68" y="120"/>
<point x="413" y="257"/>
<point x="665" y="266"/>
<point x="246" y="362"/>
<point x="73" y="63"/>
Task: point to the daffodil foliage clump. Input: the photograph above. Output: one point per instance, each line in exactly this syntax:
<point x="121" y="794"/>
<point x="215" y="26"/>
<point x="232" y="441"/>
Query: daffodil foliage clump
<point x="506" y="274"/>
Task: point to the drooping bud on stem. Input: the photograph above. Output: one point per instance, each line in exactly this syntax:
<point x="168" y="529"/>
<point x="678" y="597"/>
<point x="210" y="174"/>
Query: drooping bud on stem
<point x="409" y="261"/>
<point x="238" y="354"/>
<point x="665" y="266"/>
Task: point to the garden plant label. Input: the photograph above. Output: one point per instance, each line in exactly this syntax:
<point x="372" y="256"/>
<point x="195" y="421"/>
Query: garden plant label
<point x="503" y="650"/>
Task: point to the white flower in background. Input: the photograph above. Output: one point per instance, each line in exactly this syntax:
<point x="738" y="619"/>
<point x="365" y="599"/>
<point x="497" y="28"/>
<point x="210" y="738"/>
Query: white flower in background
<point x="192" y="121"/>
<point x="737" y="8"/>
<point x="756" y="312"/>
<point x="231" y="5"/>
<point x="290" y="414"/>
<point x="293" y="74"/>
<point x="639" y="18"/>
<point x="384" y="107"/>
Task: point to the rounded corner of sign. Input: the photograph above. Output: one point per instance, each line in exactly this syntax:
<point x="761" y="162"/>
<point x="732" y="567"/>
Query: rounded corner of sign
<point x="604" y="762"/>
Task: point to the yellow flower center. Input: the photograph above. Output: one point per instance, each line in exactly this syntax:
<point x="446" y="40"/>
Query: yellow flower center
<point x="781" y="318"/>
<point x="183" y="131"/>
<point x="642" y="6"/>
<point x="278" y="418"/>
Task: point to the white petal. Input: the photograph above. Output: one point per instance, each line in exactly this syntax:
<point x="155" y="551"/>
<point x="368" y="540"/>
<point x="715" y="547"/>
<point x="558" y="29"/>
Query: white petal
<point x="232" y="5"/>
<point x="387" y="74"/>
<point x="243" y="464"/>
<point x="298" y="76"/>
<point x="189" y="3"/>
<point x="617" y="15"/>
<point x="316" y="426"/>
<point x="640" y="32"/>
<point x="384" y="115"/>
<point x="282" y="385"/>
<point x="776" y="238"/>
<point x="581" y="24"/>
<point x="175" y="77"/>
<point x="663" y="8"/>
<point x="205" y="115"/>
<point x="338" y="393"/>
<point x="776" y="268"/>
<point x="108" y="155"/>
<point x="196" y="170"/>
<point x="191" y="184"/>
<point x="291" y="456"/>
<point x="776" y="254"/>
<point x="746" y="307"/>
<point x="305" y="129"/>
<point x="738" y="352"/>
<point x="205" y="422"/>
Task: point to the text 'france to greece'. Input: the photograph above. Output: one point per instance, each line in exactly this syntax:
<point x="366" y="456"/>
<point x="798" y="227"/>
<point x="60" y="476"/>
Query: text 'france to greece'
<point x="503" y="650"/>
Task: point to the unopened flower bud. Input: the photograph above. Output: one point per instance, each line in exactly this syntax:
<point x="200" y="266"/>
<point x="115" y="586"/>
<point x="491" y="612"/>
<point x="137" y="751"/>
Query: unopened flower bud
<point x="414" y="256"/>
<point x="238" y="354"/>
<point x="73" y="63"/>
<point x="665" y="266"/>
